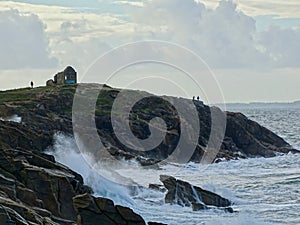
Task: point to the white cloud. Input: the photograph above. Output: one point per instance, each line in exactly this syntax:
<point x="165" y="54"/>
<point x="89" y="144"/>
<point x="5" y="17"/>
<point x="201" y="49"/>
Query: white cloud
<point x="86" y="23"/>
<point x="79" y="54"/>
<point x="75" y="37"/>
<point x="225" y="37"/>
<point x="24" y="43"/>
<point x="282" y="9"/>
<point x="282" y="45"/>
<point x="224" y="34"/>
<point x="139" y="4"/>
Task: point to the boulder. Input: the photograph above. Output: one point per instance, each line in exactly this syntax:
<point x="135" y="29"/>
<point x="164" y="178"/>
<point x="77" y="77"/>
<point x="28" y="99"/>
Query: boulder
<point x="34" y="189"/>
<point x="93" y="210"/>
<point x="185" y="194"/>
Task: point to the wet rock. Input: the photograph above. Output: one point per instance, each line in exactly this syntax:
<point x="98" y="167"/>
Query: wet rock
<point x="157" y="187"/>
<point x="155" y="223"/>
<point x="34" y="189"/>
<point x="33" y="194"/>
<point x="198" y="206"/>
<point x="93" y="210"/>
<point x="51" y="195"/>
<point x="15" y="135"/>
<point x="185" y="194"/>
<point x="28" y="197"/>
<point x="251" y="139"/>
<point x="47" y="110"/>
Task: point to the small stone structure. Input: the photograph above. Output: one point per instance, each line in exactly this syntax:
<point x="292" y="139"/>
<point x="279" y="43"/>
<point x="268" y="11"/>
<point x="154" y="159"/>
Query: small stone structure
<point x="68" y="76"/>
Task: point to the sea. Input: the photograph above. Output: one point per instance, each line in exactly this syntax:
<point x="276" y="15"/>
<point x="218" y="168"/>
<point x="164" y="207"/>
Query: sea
<point x="262" y="190"/>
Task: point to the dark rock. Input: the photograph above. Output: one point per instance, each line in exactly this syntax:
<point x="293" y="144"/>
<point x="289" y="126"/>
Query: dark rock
<point x="31" y="193"/>
<point x="93" y="210"/>
<point x="8" y="186"/>
<point x="129" y="216"/>
<point x="229" y="209"/>
<point x="47" y="110"/>
<point x="15" y="135"/>
<point x="252" y="139"/>
<point x="154" y="223"/>
<point x="28" y="197"/>
<point x="157" y="187"/>
<point x="34" y="189"/>
<point x="198" y="206"/>
<point x="185" y="194"/>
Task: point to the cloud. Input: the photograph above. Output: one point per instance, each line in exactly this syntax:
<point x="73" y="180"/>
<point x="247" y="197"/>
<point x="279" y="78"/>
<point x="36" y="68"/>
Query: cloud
<point x="75" y="37"/>
<point x="135" y="3"/>
<point x="282" y="45"/>
<point x="79" y="54"/>
<point x="282" y="9"/>
<point x="24" y="43"/>
<point x="224" y="37"/>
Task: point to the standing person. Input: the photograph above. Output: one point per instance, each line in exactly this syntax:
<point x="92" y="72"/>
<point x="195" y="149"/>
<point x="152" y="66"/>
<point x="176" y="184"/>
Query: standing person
<point x="31" y="84"/>
<point x="193" y="98"/>
<point x="198" y="98"/>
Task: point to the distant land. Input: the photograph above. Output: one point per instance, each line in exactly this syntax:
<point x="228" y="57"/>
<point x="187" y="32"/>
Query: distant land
<point x="264" y="105"/>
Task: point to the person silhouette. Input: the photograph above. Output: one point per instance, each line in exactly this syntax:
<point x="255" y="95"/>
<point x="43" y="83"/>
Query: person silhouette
<point x="193" y="98"/>
<point x="31" y="84"/>
<point x="198" y="98"/>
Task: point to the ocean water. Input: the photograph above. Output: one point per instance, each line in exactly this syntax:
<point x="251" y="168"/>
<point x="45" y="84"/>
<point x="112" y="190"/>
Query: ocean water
<point x="264" y="191"/>
<point x="285" y="122"/>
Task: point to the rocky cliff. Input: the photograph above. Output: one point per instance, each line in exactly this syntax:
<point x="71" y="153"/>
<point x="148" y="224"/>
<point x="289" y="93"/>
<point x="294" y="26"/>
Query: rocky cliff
<point x="47" y="110"/>
<point x="35" y="189"/>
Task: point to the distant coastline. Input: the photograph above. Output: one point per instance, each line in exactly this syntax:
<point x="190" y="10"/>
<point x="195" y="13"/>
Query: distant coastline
<point x="260" y="105"/>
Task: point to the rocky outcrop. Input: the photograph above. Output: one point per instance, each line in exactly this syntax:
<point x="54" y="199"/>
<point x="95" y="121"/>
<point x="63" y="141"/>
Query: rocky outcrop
<point x="18" y="135"/>
<point x="93" y="210"/>
<point x="185" y="194"/>
<point x="47" y="110"/>
<point x="251" y="139"/>
<point x="34" y="189"/>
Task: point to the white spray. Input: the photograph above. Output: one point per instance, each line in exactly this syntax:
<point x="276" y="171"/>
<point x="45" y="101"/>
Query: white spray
<point x="66" y="152"/>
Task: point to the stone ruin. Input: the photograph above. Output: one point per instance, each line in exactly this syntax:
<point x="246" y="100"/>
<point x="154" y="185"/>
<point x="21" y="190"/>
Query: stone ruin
<point x="68" y="76"/>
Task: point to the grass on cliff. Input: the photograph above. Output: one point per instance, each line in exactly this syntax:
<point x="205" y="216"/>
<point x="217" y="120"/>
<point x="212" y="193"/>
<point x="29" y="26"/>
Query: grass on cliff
<point x="23" y="94"/>
<point x="31" y="94"/>
<point x="66" y="92"/>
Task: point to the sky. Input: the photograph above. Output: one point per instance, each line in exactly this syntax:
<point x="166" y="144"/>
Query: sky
<point x="250" y="47"/>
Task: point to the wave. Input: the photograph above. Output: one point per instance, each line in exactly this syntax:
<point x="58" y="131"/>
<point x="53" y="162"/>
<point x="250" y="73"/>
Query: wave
<point x="262" y="189"/>
<point x="66" y="152"/>
<point x="13" y="118"/>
